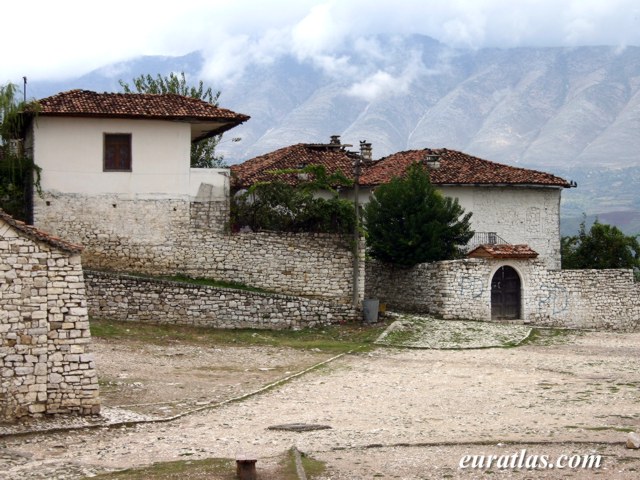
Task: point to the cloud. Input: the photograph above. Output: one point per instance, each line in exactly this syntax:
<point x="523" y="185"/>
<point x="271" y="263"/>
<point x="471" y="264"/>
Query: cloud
<point x="382" y="84"/>
<point x="66" y="38"/>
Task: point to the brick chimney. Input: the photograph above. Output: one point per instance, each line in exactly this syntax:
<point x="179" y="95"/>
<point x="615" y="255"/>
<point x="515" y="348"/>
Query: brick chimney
<point x="432" y="161"/>
<point x="366" y="152"/>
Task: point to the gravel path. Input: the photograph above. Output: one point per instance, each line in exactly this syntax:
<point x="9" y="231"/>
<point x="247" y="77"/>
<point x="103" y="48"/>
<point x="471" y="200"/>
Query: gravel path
<point x="394" y="414"/>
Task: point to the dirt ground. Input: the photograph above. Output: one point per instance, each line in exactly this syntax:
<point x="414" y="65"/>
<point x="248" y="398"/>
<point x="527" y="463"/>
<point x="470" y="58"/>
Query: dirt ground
<point x="393" y="413"/>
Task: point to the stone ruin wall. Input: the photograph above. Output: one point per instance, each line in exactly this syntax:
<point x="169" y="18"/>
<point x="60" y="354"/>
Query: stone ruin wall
<point x="45" y="365"/>
<point x="168" y="237"/>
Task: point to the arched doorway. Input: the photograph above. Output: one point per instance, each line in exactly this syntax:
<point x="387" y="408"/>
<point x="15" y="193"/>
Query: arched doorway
<point x="505" y="294"/>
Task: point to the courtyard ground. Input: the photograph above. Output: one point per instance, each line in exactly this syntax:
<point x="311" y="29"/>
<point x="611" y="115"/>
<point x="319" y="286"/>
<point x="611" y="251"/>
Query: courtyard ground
<point x="393" y="412"/>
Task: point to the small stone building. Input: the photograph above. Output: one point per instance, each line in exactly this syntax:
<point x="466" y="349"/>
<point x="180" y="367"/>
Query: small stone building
<point x="45" y="367"/>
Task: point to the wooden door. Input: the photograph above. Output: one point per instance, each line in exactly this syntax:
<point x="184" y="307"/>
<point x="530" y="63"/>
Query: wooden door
<point x="505" y="294"/>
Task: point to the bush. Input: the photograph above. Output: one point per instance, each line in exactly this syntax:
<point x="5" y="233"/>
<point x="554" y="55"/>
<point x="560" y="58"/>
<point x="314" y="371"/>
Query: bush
<point x="277" y="206"/>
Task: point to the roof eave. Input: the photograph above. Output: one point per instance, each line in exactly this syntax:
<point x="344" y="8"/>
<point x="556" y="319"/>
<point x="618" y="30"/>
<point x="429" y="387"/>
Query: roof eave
<point x="522" y="185"/>
<point x="221" y="129"/>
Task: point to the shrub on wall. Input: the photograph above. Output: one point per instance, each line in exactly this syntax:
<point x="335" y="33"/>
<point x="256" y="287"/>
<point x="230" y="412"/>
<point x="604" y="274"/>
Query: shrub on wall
<point x="18" y="173"/>
<point x="278" y="206"/>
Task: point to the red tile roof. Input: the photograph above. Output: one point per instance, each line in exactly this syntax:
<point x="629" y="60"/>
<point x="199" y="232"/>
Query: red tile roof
<point x="38" y="235"/>
<point x="503" y="251"/>
<point x="169" y="106"/>
<point x="332" y="157"/>
<point x="457" y="168"/>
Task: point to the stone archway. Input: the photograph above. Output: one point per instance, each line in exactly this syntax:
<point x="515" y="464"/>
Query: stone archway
<point x="506" y="294"/>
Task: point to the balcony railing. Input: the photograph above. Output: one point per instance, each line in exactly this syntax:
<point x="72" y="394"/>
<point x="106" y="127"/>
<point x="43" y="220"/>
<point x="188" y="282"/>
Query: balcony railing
<point x="484" y="238"/>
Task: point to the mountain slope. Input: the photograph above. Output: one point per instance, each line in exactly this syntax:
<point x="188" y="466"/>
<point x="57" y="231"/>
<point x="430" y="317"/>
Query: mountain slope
<point x="577" y="109"/>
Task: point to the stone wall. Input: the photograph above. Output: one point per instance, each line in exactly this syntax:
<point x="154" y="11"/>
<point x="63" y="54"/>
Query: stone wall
<point x="132" y="298"/>
<point x="599" y="299"/>
<point x="461" y="289"/>
<point x="45" y="367"/>
<point x="178" y="236"/>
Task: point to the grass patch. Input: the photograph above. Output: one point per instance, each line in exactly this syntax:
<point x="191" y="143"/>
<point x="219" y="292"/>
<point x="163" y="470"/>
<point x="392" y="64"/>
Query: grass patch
<point x="213" y="283"/>
<point x="615" y="429"/>
<point x="548" y="336"/>
<point x="209" y="469"/>
<point x="600" y="429"/>
<point x="312" y="468"/>
<point x="333" y="339"/>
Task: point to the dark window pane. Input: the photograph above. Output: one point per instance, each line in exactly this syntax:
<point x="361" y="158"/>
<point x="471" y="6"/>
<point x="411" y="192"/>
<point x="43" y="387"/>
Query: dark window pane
<point x="117" y="151"/>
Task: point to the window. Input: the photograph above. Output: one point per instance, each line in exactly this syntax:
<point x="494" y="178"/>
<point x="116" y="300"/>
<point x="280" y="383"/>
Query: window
<point x="117" y="152"/>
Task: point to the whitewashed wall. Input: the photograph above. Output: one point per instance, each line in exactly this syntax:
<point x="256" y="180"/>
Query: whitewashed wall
<point x="517" y="214"/>
<point x="70" y="153"/>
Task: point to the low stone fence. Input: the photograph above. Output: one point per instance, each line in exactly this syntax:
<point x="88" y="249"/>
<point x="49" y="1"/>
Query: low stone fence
<point x="139" y="299"/>
<point x="461" y="289"/>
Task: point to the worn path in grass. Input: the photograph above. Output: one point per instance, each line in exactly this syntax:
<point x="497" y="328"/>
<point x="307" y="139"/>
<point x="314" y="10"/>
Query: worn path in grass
<point x="394" y="414"/>
<point x="417" y="331"/>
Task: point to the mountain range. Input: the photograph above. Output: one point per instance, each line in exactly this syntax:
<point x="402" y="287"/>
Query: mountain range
<point x="574" y="112"/>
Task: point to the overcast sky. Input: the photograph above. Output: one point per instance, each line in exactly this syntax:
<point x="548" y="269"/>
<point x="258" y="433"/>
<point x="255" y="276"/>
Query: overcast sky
<point x="61" y="39"/>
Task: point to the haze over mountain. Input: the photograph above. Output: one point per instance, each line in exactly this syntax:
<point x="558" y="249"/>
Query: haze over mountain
<point x="571" y="111"/>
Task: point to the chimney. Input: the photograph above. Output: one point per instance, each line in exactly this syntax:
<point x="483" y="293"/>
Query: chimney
<point x="432" y="161"/>
<point x="366" y="151"/>
<point x="335" y="140"/>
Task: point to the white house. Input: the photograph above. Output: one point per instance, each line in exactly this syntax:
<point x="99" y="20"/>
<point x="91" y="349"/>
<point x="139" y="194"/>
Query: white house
<point x="509" y="205"/>
<point x="118" y="165"/>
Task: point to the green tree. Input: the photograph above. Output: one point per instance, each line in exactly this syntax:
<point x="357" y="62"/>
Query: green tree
<point x="203" y="152"/>
<point x="17" y="171"/>
<point x="408" y="221"/>
<point x="603" y="246"/>
<point x="9" y="118"/>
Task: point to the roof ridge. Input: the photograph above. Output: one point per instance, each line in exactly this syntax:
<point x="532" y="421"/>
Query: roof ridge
<point x="36" y="234"/>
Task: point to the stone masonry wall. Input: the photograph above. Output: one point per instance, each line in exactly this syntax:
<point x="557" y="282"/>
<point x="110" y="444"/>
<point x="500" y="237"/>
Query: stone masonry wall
<point x="598" y="299"/>
<point x="166" y="237"/>
<point x="45" y="367"/>
<point x="595" y="299"/>
<point x="449" y="289"/>
<point x="131" y="298"/>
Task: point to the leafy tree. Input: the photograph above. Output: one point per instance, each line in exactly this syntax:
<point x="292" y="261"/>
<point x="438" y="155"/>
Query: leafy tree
<point x="278" y="206"/>
<point x="18" y="173"/>
<point x="408" y="221"/>
<point x="603" y="246"/>
<point x="203" y="152"/>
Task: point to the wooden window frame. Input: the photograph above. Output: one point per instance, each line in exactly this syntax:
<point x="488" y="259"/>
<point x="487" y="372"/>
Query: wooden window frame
<point x="105" y="136"/>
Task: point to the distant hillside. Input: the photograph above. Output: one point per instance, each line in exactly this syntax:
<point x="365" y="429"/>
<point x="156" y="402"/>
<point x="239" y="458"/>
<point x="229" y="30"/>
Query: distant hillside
<point x="570" y="111"/>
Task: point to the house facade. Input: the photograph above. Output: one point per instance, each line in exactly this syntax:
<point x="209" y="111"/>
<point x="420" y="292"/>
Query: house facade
<point x="509" y="205"/>
<point x="116" y="167"/>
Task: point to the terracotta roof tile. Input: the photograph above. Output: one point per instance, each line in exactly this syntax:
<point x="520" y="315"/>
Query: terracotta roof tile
<point x="457" y="168"/>
<point x="332" y="157"/>
<point x="38" y="235"/>
<point x="85" y="103"/>
<point x="503" y="251"/>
